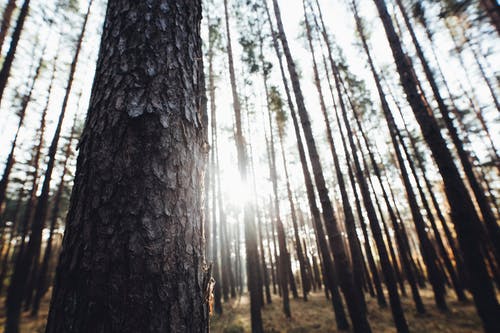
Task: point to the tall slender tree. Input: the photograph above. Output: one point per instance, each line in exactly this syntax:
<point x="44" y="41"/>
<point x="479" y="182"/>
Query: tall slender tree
<point x="249" y="223"/>
<point x="352" y="294"/>
<point x="467" y="222"/>
<point x="465" y="160"/>
<point x="329" y="277"/>
<point x="9" y="58"/>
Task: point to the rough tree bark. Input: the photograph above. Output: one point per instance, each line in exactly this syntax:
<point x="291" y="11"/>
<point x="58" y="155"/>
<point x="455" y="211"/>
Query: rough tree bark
<point x="132" y="250"/>
<point x="213" y="169"/>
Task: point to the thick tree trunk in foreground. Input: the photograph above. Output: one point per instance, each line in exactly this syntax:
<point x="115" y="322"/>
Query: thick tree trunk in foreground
<point x="132" y="251"/>
<point x="467" y="222"/>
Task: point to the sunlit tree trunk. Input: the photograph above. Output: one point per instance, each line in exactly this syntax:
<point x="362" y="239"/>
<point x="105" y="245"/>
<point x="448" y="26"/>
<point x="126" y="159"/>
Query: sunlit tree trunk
<point x="270" y="254"/>
<point x="284" y="263"/>
<point x="261" y="264"/>
<point x="298" y="243"/>
<point x="265" y="271"/>
<point x="249" y="223"/>
<point x="276" y="222"/>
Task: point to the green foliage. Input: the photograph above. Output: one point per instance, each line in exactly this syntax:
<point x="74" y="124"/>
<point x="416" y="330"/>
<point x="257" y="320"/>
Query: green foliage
<point x="69" y="5"/>
<point x="248" y="56"/>
<point x="214" y="34"/>
<point x="276" y="107"/>
<point x="251" y="23"/>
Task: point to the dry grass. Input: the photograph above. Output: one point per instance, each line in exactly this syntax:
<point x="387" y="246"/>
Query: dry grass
<point x="317" y="316"/>
<point x="314" y="316"/>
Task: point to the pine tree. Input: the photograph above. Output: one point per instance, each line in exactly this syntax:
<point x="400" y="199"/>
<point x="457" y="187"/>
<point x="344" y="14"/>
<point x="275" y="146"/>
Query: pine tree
<point x="352" y="294"/>
<point x="466" y="220"/>
<point x="132" y="252"/>
<point x="16" y="36"/>
<point x="250" y="228"/>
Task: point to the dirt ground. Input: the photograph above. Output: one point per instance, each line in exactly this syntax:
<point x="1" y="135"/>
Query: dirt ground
<point x="316" y="315"/>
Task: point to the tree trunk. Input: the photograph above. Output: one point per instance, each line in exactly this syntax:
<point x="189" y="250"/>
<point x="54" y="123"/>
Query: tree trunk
<point x="352" y="294"/>
<point x="486" y="212"/>
<point x="132" y="251"/>
<point x="42" y="277"/>
<point x="9" y="58"/>
<point x="213" y="171"/>
<point x="250" y="229"/>
<point x="25" y="100"/>
<point x="327" y="264"/>
<point x="466" y="220"/>
<point x="27" y="263"/>
<point x="356" y="255"/>
<point x="283" y="251"/>
<point x="6" y="18"/>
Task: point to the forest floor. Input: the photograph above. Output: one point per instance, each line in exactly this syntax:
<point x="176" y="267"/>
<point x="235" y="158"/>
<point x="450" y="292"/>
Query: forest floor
<point x="316" y="315"/>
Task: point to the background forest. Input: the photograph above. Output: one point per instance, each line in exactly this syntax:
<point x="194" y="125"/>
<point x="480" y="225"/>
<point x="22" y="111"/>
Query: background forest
<point x="351" y="166"/>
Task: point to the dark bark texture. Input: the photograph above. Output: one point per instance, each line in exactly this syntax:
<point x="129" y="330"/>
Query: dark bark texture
<point x="132" y="251"/>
